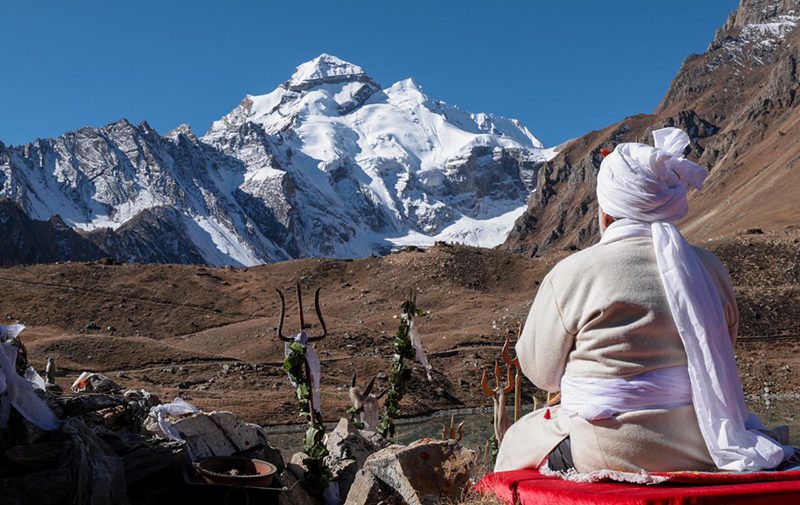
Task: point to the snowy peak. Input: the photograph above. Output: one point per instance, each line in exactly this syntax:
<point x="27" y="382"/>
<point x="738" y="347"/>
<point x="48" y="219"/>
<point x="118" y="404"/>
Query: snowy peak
<point x="324" y="86"/>
<point x="325" y="69"/>
<point x="765" y="23"/>
<point x="183" y="129"/>
<point x="327" y="164"/>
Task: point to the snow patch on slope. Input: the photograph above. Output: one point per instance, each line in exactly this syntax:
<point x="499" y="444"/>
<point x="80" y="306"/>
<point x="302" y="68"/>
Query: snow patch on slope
<point x="465" y="230"/>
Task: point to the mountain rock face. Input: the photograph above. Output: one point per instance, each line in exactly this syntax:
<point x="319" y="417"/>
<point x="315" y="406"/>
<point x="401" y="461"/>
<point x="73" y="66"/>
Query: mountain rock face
<point x="738" y="101"/>
<point x="328" y="164"/>
<point x="29" y="241"/>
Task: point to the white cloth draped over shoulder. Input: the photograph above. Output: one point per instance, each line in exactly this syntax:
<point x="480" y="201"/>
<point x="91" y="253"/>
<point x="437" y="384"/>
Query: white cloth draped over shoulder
<point x="644" y="188"/>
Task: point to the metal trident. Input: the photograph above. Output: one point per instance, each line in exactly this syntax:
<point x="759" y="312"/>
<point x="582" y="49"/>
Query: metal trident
<point x="303" y="326"/>
<point x="517" y="376"/>
<point x="498" y="394"/>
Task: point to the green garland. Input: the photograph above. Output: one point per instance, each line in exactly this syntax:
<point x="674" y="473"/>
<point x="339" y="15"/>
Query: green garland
<point x="354" y="415"/>
<point x="495" y="447"/>
<point x="401" y="374"/>
<point x="318" y="475"/>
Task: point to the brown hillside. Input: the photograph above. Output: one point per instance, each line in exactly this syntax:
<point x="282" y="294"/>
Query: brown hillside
<point x="737" y="101"/>
<point x="208" y="334"/>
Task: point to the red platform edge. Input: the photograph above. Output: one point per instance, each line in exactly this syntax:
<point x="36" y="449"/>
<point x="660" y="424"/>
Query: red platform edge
<point x="529" y="487"/>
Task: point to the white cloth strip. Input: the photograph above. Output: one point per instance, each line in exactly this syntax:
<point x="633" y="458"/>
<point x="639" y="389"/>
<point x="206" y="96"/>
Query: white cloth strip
<point x="413" y="332"/>
<point x="313" y="364"/>
<point x="593" y="398"/>
<point x="733" y="436"/>
<point x="21" y="394"/>
<point x="644" y="188"/>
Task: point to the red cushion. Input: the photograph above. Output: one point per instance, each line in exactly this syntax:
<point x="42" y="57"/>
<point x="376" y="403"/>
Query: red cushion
<point x="532" y="488"/>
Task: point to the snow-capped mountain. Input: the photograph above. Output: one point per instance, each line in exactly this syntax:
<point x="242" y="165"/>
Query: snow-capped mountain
<point x="328" y="164"/>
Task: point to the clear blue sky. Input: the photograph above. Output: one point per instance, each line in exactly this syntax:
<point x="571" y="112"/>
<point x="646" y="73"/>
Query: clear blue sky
<point x="562" y="68"/>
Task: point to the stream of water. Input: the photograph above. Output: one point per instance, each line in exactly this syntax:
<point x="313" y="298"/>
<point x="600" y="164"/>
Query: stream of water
<point x="478" y="425"/>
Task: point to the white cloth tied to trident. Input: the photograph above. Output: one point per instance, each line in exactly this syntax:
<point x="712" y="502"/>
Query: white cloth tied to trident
<point x="644" y="188"/>
<point x="313" y="364"/>
<point x="416" y="341"/>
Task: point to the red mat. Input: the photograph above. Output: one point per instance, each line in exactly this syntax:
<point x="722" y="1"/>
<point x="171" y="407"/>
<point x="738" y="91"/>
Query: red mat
<point x="530" y="487"/>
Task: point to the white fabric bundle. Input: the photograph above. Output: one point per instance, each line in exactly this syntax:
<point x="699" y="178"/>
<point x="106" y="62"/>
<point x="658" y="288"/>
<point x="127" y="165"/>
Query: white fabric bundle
<point x="313" y="364"/>
<point x="18" y="392"/>
<point x="413" y="332"/>
<point x="644" y="189"/>
<point x="10" y="332"/>
<point x="178" y="407"/>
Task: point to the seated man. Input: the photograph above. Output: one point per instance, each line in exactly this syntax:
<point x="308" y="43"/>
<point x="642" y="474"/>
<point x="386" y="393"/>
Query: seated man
<point x="637" y="333"/>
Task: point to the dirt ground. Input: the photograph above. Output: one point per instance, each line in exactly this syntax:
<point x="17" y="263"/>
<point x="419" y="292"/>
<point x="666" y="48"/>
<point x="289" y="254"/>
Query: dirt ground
<point x="208" y="334"/>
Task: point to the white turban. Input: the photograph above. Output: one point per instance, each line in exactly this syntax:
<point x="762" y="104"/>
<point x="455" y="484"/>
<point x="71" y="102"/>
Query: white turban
<point x="646" y="183"/>
<point x="644" y="188"/>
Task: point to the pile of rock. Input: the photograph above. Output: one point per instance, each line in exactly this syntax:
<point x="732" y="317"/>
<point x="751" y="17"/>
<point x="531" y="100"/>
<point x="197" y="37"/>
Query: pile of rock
<point x="110" y="449"/>
<point x="98" y="454"/>
<point x="120" y="447"/>
<point x="425" y="471"/>
<point x="367" y="470"/>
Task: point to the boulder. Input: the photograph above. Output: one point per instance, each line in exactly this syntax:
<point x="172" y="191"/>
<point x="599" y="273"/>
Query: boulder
<point x="348" y="442"/>
<point x="367" y="489"/>
<point x="348" y="449"/>
<point x="296" y="465"/>
<point x="426" y="471"/>
<point x="224" y="434"/>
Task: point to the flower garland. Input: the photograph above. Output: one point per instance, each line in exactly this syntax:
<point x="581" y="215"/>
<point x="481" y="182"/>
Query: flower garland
<point x="400" y="376"/>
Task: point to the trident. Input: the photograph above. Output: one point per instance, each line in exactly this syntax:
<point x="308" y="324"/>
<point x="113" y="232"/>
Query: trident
<point x="303" y="326"/>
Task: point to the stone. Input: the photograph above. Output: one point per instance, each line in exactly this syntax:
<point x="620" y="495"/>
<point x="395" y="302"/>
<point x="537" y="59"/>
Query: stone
<point x="369" y="490"/>
<point x="295" y="493"/>
<point x="348" y="442"/>
<point x="296" y="465"/>
<point x="348" y="449"/>
<point x="53" y="388"/>
<point x="224" y="434"/>
<point x="425" y="472"/>
<point x="206" y="438"/>
<point x="50" y="371"/>
<point x="79" y="405"/>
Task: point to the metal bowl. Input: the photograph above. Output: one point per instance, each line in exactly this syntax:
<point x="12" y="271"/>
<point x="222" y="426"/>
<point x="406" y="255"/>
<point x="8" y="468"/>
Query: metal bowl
<point x="233" y="471"/>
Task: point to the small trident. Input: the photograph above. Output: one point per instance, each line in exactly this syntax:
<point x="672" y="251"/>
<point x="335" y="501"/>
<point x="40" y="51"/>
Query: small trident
<point x="303" y="326"/>
<point x="453" y="431"/>
<point x="517" y="376"/>
<point x="498" y="394"/>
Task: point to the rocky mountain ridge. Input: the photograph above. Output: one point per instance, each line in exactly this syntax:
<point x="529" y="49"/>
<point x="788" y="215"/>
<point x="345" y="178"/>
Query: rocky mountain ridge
<point x="328" y="164"/>
<point x="738" y="101"/>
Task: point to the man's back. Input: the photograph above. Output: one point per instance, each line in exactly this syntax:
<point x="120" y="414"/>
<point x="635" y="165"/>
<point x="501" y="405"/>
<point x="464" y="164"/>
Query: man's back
<point x="603" y="313"/>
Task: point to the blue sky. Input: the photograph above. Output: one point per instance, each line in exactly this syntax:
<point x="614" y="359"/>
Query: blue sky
<point x="562" y="68"/>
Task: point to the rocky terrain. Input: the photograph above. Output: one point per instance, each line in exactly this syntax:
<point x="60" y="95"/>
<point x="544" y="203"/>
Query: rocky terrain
<point x="738" y="101"/>
<point x="328" y="164"/>
<point x="208" y="334"/>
